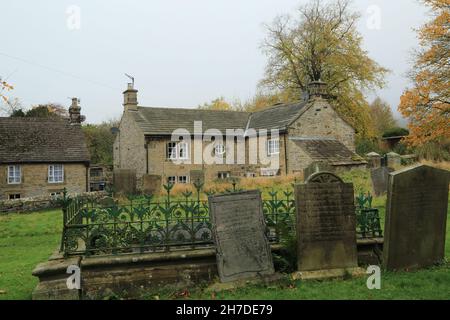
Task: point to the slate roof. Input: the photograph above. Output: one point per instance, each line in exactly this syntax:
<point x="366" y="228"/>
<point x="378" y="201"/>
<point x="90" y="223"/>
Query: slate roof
<point x="27" y="140"/>
<point x="329" y="150"/>
<point x="277" y="117"/>
<point x="163" y="121"/>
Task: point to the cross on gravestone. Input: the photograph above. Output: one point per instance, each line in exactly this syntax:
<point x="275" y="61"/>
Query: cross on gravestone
<point x="326" y="223"/>
<point x="242" y="248"/>
<point x="416" y="217"/>
<point x="379" y="177"/>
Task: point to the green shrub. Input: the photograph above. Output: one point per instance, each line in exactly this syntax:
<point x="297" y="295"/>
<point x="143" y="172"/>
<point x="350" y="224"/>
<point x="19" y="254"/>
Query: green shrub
<point x="395" y="132"/>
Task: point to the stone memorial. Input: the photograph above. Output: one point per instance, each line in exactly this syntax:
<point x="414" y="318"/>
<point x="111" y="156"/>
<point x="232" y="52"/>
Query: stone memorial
<point x="379" y="177"/>
<point x="317" y="166"/>
<point x="242" y="248"/>
<point x="416" y="215"/>
<point x="326" y="224"/>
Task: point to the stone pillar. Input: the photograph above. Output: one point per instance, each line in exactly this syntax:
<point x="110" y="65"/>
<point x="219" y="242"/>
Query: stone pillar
<point x="373" y="159"/>
<point x="393" y="160"/>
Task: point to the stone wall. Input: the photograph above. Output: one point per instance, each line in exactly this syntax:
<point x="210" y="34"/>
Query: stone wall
<point x="321" y="120"/>
<point x="39" y="203"/>
<point x="128" y="149"/>
<point x="35" y="181"/>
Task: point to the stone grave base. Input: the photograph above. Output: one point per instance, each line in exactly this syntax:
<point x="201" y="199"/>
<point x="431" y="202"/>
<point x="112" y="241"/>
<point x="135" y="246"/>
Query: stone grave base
<point x="131" y="275"/>
<point x="225" y="286"/>
<point x="328" y="274"/>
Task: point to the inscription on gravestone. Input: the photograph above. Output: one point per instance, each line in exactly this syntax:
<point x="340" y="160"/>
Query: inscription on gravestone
<point x="242" y="249"/>
<point x="326" y="223"/>
<point x="379" y="177"/>
<point x="416" y="217"/>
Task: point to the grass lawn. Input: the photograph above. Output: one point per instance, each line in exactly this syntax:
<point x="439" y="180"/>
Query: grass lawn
<point x="27" y="239"/>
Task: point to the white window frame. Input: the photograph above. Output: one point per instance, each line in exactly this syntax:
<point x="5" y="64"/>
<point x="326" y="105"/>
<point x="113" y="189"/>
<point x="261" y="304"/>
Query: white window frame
<point x="172" y="150"/>
<point x="183" y="146"/>
<point x="183" y="182"/>
<point x="12" y="178"/>
<point x="174" y="179"/>
<point x="51" y="173"/>
<point x="176" y="149"/>
<point x="223" y="175"/>
<point x="273" y="147"/>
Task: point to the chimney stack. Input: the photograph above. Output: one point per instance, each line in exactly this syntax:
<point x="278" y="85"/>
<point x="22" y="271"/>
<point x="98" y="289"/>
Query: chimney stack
<point x="317" y="89"/>
<point x="75" y="116"/>
<point x="130" y="98"/>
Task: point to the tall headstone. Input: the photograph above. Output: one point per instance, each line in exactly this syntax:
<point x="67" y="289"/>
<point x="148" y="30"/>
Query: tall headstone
<point x="317" y="166"/>
<point x="416" y="215"/>
<point x="326" y="223"/>
<point x="379" y="177"/>
<point x="242" y="248"/>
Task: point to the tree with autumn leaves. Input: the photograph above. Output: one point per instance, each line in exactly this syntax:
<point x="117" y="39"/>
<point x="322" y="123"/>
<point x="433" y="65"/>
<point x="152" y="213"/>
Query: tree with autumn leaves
<point x="426" y="104"/>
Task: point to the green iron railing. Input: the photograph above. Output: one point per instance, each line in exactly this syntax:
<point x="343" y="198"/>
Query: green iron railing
<point x="142" y="224"/>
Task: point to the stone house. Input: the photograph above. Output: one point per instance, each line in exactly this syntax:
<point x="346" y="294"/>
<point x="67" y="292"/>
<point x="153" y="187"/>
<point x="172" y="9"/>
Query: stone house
<point x="305" y="132"/>
<point x="42" y="156"/>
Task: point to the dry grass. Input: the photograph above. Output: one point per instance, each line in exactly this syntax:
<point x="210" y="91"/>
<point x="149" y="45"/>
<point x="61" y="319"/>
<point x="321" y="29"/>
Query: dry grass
<point x="437" y="164"/>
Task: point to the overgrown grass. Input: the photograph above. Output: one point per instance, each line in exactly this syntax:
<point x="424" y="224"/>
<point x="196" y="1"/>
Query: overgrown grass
<point x="25" y="241"/>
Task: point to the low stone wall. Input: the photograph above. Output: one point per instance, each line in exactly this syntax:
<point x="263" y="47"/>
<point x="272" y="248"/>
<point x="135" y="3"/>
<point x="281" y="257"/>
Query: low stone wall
<point x="131" y="276"/>
<point x="39" y="203"/>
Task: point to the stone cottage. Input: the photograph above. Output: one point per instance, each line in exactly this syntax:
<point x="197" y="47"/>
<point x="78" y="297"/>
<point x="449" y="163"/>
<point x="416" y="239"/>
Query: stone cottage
<point x="307" y="131"/>
<point x="42" y="156"/>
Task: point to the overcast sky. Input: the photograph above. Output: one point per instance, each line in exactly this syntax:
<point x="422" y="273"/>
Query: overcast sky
<point x="182" y="53"/>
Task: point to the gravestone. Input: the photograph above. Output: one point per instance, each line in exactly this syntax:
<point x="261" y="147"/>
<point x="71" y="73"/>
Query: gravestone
<point x="379" y="177"/>
<point x="416" y="215"/>
<point x="242" y="249"/>
<point x="326" y="224"/>
<point x="317" y="166"/>
<point x="124" y="181"/>
<point x="151" y="183"/>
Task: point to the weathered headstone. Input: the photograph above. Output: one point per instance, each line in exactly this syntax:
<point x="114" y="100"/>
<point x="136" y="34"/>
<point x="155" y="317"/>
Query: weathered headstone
<point x="242" y="248"/>
<point x="151" y="183"/>
<point x="326" y="223"/>
<point x="317" y="166"/>
<point x="379" y="177"/>
<point x="416" y="215"/>
<point x="124" y="181"/>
